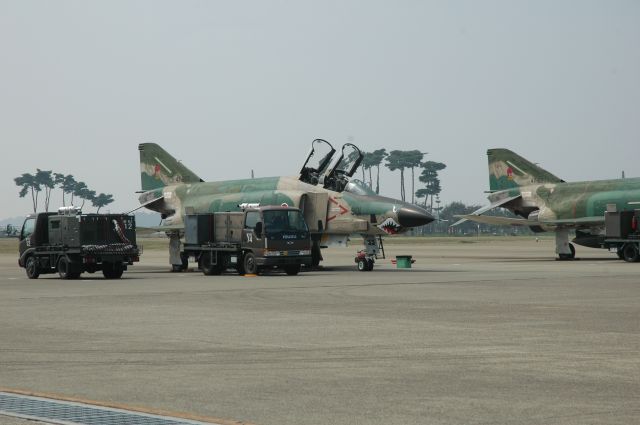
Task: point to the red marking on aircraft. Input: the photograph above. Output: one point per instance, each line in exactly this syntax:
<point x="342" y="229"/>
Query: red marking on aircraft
<point x="343" y="210"/>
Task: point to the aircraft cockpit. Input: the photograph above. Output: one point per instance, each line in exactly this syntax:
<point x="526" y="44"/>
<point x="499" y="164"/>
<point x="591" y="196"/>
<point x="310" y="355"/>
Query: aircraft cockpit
<point x="337" y="177"/>
<point x="358" y="187"/>
<point x="317" y="161"/>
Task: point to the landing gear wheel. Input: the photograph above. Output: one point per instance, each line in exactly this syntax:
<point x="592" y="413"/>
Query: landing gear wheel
<point x="183" y="266"/>
<point x="185" y="261"/>
<point x="570" y="256"/>
<point x="362" y="265"/>
<point x="112" y="270"/>
<point x="207" y="268"/>
<point x="31" y="267"/>
<point x="65" y="269"/>
<point x="370" y="264"/>
<point x="292" y="270"/>
<point x="250" y="265"/>
<point x="630" y="252"/>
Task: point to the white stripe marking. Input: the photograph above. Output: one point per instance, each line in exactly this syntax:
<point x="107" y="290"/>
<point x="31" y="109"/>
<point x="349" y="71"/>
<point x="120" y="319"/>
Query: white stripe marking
<point x="515" y="166"/>
<point x="161" y="163"/>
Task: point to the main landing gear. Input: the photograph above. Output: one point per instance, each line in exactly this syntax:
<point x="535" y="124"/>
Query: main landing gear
<point x="565" y="250"/>
<point x="179" y="262"/>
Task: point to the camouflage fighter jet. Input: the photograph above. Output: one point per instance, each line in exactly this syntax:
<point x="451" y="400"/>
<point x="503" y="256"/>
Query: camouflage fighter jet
<point x="547" y="203"/>
<point x="334" y="206"/>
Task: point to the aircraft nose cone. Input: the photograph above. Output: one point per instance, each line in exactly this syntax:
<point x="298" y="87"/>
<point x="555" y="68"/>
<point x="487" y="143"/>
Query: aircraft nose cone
<point x="413" y="216"/>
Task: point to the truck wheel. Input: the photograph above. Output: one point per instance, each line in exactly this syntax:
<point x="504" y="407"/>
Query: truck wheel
<point x="630" y="251"/>
<point x="65" y="269"/>
<point x="250" y="265"/>
<point x="31" y="267"/>
<point x="207" y="268"/>
<point x="316" y="255"/>
<point x="292" y="270"/>
<point x="112" y="270"/>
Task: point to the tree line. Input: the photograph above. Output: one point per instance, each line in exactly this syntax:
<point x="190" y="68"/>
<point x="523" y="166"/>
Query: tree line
<point x="398" y="160"/>
<point x="45" y="181"/>
<point x="447" y="215"/>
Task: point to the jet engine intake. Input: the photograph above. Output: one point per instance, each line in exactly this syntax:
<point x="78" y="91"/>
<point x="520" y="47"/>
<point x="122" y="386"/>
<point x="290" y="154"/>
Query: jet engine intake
<point x="535" y="216"/>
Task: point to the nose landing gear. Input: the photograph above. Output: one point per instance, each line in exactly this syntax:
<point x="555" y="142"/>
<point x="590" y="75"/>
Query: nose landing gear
<point x="366" y="258"/>
<point x="365" y="264"/>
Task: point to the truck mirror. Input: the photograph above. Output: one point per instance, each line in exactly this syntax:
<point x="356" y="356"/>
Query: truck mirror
<point x="258" y="229"/>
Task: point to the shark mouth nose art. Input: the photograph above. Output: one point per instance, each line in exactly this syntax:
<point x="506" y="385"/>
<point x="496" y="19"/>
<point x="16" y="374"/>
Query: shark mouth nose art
<point x="389" y="226"/>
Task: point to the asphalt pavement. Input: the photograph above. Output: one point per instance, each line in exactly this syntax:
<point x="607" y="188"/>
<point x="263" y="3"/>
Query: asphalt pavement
<point x="477" y="332"/>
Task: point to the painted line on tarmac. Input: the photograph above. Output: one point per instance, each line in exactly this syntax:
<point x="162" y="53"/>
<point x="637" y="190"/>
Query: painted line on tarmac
<point x="125" y="407"/>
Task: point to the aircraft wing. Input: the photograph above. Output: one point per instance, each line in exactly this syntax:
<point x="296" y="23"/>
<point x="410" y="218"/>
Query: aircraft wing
<point x="497" y="221"/>
<point x="507" y="221"/>
<point x="577" y="222"/>
<point x="484" y="209"/>
<point x="168" y="228"/>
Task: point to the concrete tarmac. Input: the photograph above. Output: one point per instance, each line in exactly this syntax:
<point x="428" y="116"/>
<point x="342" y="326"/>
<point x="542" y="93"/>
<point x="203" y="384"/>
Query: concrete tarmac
<point x="477" y="332"/>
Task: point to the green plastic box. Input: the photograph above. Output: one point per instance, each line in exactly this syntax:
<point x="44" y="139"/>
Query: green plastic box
<point x="403" y="261"/>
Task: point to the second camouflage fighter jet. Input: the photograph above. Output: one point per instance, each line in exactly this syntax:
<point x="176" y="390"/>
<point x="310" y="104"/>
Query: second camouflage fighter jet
<point x="334" y="206"/>
<point x="547" y="203"/>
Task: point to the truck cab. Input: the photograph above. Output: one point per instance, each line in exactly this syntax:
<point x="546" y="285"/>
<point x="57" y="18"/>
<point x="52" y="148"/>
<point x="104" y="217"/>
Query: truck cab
<point x="275" y="237"/>
<point x="249" y="241"/>
<point x="34" y="232"/>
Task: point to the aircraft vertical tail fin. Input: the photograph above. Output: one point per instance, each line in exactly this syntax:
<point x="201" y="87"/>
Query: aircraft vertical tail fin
<point x="159" y="169"/>
<point x="509" y="170"/>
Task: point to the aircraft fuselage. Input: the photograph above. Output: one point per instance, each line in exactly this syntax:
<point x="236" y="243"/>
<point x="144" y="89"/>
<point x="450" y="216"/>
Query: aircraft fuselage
<point x="339" y="212"/>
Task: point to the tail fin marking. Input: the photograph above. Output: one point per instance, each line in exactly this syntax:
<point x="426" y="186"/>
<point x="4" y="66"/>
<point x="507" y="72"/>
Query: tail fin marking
<point x="509" y="170"/>
<point x="158" y="168"/>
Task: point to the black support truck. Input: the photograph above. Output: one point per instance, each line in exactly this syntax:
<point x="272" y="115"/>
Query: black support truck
<point x="71" y="243"/>
<point x="249" y="242"/>
<point x="622" y="234"/>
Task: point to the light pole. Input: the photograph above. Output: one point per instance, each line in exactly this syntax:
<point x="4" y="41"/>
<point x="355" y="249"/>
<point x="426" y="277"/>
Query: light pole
<point x="438" y="213"/>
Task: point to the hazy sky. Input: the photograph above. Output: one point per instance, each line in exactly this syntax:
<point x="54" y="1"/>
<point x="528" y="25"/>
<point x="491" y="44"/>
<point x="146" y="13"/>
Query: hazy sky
<point x="238" y="85"/>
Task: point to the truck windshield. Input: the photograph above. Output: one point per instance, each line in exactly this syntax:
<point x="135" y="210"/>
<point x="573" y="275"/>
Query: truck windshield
<point x="284" y="221"/>
<point x="27" y="228"/>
